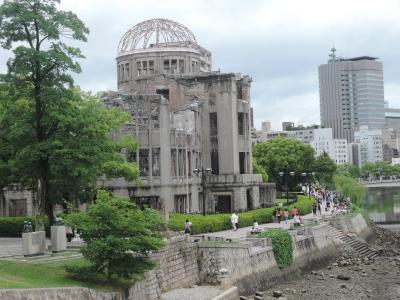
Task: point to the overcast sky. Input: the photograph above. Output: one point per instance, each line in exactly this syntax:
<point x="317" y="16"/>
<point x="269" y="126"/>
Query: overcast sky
<point x="279" y="43"/>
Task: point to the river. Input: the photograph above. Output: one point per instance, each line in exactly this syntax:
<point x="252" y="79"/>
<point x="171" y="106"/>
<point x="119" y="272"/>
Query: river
<point x="383" y="205"/>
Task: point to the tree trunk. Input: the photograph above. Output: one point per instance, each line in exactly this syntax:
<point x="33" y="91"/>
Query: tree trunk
<point x="2" y="203"/>
<point x="41" y="204"/>
<point x="49" y="212"/>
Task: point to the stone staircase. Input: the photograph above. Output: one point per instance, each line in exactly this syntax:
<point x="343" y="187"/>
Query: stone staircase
<point x="360" y="247"/>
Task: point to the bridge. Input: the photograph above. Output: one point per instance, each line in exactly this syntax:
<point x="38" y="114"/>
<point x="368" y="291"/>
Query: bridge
<point x="384" y="183"/>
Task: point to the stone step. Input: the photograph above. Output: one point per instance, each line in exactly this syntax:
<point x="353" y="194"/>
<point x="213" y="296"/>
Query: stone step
<point x="360" y="247"/>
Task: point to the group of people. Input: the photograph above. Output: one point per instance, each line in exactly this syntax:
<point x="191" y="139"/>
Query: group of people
<point x="332" y="201"/>
<point x="278" y="215"/>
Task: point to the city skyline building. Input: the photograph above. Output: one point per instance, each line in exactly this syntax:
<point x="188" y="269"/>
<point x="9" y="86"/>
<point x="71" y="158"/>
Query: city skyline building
<point x="370" y="143"/>
<point x="351" y="94"/>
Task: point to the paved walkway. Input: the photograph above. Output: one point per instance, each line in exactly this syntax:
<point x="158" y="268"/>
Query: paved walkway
<point x="242" y="232"/>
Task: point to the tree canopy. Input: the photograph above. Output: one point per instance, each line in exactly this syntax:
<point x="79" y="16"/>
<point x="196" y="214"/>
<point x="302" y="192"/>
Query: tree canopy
<point x="59" y="136"/>
<point x="325" y="168"/>
<point x="284" y="155"/>
<point x="118" y="235"/>
<point x="348" y="170"/>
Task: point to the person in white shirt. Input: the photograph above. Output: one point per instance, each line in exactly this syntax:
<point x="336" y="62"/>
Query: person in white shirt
<point x="234" y="221"/>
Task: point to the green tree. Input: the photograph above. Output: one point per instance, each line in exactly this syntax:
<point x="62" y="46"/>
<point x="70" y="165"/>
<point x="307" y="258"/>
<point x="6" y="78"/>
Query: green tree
<point x="348" y="170"/>
<point x="283" y="154"/>
<point x="349" y="187"/>
<point x="6" y="155"/>
<point x="118" y="235"/>
<point x="58" y="135"/>
<point x="257" y="169"/>
<point x="380" y="168"/>
<point x="325" y="168"/>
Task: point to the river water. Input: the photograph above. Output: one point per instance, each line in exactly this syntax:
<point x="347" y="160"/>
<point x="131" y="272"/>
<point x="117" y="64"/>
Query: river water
<point x="383" y="205"/>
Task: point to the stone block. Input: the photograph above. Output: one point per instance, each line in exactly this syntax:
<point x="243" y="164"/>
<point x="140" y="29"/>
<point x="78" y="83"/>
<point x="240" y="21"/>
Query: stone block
<point x="33" y="243"/>
<point x="58" y="238"/>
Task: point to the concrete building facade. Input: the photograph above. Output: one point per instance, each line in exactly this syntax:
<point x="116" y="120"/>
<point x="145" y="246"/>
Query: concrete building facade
<point x="186" y="117"/>
<point x="351" y="95"/>
<point x="323" y="142"/>
<point x="370" y="142"/>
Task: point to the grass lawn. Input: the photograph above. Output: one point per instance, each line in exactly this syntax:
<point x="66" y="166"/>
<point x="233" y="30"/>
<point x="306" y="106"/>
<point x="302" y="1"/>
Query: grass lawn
<point x="26" y="275"/>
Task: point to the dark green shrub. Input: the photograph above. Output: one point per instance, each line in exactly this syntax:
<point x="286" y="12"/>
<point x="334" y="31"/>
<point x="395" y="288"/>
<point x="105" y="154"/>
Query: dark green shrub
<point x="81" y="269"/>
<point x="13" y="226"/>
<point x="281" y="245"/>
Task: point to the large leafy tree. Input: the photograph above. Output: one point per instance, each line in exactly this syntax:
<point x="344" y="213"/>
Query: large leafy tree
<point x="118" y="235"/>
<point x="325" y="168"/>
<point x="6" y="155"/>
<point x="284" y="155"/>
<point x="380" y="168"/>
<point x="348" y="170"/>
<point x="58" y="135"/>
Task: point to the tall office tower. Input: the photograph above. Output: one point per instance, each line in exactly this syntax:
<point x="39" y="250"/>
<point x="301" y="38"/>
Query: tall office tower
<point x="351" y="95"/>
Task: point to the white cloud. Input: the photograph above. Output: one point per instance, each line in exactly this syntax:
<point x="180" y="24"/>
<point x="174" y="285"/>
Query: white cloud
<point x="279" y="43"/>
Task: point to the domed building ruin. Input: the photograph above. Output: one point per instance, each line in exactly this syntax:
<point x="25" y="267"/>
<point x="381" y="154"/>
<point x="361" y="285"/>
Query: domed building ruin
<point x="192" y="124"/>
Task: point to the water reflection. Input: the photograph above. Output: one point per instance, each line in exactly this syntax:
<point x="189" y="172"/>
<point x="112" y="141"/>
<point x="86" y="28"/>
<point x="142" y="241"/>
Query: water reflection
<point x="383" y="205"/>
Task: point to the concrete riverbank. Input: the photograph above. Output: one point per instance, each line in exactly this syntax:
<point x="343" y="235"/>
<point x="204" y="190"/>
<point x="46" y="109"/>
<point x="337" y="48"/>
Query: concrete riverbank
<point x="229" y="267"/>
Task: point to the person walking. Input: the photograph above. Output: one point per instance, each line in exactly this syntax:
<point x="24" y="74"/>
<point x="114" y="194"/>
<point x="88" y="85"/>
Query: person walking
<point x="278" y="215"/>
<point x="294" y="211"/>
<point x="274" y="216"/>
<point x="234" y="221"/>
<point x="319" y="209"/>
<point x="187" y="226"/>
<point x="314" y="210"/>
<point x="286" y="215"/>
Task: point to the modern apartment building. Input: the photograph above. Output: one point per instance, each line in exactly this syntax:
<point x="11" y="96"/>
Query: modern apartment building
<point x="351" y="95"/>
<point x="370" y="143"/>
<point x="323" y="142"/>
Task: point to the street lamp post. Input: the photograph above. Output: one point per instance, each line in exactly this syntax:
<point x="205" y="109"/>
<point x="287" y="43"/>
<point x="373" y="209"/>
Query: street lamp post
<point x="285" y="176"/>
<point x="203" y="172"/>
<point x="308" y="176"/>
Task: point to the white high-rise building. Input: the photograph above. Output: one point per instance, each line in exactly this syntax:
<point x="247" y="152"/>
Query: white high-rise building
<point x="323" y="142"/>
<point x="370" y="145"/>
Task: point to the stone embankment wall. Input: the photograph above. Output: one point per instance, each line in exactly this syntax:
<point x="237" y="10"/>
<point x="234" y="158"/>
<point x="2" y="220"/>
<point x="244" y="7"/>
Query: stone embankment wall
<point x="176" y="267"/>
<point x="253" y="267"/>
<point x="354" y="224"/>
<point x="73" y="293"/>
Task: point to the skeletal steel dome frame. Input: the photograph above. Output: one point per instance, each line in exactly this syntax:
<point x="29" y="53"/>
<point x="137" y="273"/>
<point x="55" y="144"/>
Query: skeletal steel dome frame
<point x="164" y="32"/>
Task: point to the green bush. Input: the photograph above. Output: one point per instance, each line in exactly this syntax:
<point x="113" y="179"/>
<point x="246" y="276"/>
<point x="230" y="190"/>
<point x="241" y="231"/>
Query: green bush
<point x="220" y="222"/>
<point x="13" y="226"/>
<point x="281" y="245"/>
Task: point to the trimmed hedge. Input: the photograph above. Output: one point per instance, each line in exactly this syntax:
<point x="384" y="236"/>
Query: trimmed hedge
<point x="13" y="226"/>
<point x="220" y="222"/>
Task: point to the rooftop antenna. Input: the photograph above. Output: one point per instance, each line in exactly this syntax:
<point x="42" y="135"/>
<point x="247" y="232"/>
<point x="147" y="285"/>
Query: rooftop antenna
<point x="333" y="55"/>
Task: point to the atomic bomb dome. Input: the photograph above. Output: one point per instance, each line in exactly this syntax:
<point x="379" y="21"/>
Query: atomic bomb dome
<point x="158" y="47"/>
<point x="156" y="33"/>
